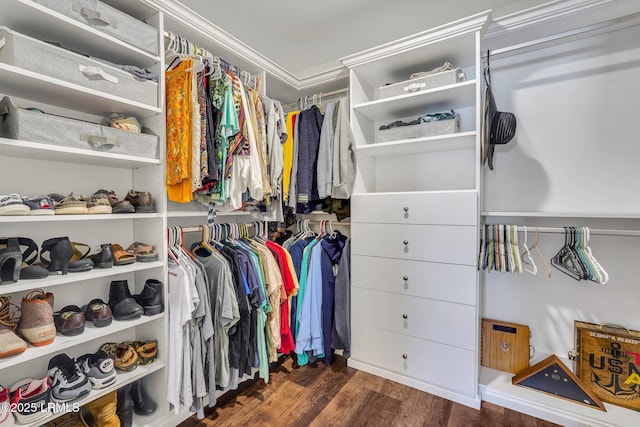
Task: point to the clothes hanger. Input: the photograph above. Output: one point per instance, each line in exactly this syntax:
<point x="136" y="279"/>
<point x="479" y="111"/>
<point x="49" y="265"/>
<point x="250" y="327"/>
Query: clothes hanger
<point x="605" y="275"/>
<point x="539" y="252"/>
<point x="529" y="259"/>
<point x="564" y="259"/>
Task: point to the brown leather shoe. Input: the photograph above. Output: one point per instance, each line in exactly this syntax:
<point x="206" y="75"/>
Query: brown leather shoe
<point x="141" y="200"/>
<point x="117" y="205"/>
<point x="70" y="320"/>
<point x="98" y="312"/>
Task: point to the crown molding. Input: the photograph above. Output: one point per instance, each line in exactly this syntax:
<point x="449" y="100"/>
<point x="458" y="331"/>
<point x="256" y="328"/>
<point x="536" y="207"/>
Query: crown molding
<point x="472" y="23"/>
<point x="556" y="12"/>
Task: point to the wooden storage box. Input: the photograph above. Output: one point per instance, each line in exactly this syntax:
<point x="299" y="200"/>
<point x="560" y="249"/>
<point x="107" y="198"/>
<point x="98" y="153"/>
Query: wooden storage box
<point x="37" y="56"/>
<point x="422" y="83"/>
<point x="26" y="125"/>
<point x="109" y="20"/>
<point x="505" y="346"/>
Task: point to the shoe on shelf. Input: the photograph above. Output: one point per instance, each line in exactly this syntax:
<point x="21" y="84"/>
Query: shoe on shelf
<point x="142" y="402"/>
<point x="11" y="204"/>
<point x="67" y="382"/>
<point x="70" y="320"/>
<point x="69" y="419"/>
<point x="40" y="205"/>
<point x="29" y="255"/>
<point x="122" y="256"/>
<point x="10" y="343"/>
<point x="123" y="305"/>
<point x="70" y="205"/>
<point x="147" y="350"/>
<point x="102" y="411"/>
<point x="98" y="312"/>
<point x="98" y="203"/>
<point x="151" y="297"/>
<point x="125" y="406"/>
<point x="142" y="201"/>
<point x="118" y="206"/>
<point x="104" y="258"/>
<point x="36" y="320"/>
<point x="125" y="357"/>
<point x="6" y="417"/>
<point x="60" y="253"/>
<point x="99" y="368"/>
<point x="10" y="261"/>
<point x="31" y="399"/>
<point x="144" y="252"/>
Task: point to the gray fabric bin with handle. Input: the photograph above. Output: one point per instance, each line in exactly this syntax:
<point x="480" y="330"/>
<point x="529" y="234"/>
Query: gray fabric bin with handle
<point x="422" y="130"/>
<point x="35" y="126"/>
<point x="39" y="57"/>
<point x="108" y="20"/>
<point x="431" y="81"/>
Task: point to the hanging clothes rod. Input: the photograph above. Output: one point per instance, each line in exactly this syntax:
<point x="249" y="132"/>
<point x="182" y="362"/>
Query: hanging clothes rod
<point x="559" y="230"/>
<point x="576" y="34"/>
<point x="198" y="228"/>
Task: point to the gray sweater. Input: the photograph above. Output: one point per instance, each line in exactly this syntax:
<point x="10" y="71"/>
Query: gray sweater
<point x="325" y="154"/>
<point x="344" y="155"/>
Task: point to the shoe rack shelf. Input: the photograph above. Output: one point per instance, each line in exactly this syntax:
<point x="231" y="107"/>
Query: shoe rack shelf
<point x="123" y="378"/>
<point x="35" y="150"/>
<point x="31" y="168"/>
<point x="91" y="333"/>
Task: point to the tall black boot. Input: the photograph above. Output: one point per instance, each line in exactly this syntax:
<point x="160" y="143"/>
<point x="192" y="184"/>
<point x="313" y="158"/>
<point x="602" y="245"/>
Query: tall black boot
<point x="142" y="402"/>
<point x="125" y="406"/>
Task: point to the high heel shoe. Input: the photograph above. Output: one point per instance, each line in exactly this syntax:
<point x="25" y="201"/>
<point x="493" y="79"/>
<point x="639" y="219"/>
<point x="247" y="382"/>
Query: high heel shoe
<point x="60" y="252"/>
<point x="29" y="256"/>
<point x="10" y="259"/>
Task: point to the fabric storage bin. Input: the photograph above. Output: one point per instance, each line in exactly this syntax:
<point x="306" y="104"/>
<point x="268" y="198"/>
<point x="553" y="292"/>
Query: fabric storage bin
<point x="422" y="83"/>
<point x="108" y="20"/>
<point x="35" y="126"/>
<point x="34" y="55"/>
<point x="422" y="130"/>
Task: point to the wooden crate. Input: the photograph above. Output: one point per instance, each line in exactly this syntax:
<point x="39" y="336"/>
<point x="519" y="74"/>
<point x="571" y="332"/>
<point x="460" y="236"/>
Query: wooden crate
<point x="608" y="361"/>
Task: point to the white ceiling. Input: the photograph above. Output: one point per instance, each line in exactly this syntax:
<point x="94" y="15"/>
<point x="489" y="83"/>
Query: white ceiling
<point x="308" y="37"/>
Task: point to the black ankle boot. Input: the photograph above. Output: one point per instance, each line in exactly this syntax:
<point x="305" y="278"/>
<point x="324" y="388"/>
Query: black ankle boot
<point x="60" y="253"/>
<point x="125" y="406"/>
<point x="123" y="306"/>
<point x="104" y="258"/>
<point x="10" y="260"/>
<point x="142" y="402"/>
<point x="151" y="297"/>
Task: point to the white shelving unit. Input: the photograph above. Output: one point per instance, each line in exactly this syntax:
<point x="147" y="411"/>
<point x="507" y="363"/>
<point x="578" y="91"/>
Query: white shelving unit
<point x="415" y="297"/>
<point x="31" y="169"/>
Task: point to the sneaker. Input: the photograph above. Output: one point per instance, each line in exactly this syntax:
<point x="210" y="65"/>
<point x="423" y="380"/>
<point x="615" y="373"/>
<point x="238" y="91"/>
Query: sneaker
<point x="11" y="204"/>
<point x="99" y="368"/>
<point x="36" y="322"/>
<point x="10" y="343"/>
<point x="70" y="320"/>
<point x="70" y="205"/>
<point x="98" y="312"/>
<point x="99" y="203"/>
<point x="67" y="382"/>
<point x="31" y="398"/>
<point x="41" y="205"/>
<point x="6" y="417"/>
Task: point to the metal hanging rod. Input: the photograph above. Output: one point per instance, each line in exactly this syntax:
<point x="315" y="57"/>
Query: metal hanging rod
<point x="592" y="231"/>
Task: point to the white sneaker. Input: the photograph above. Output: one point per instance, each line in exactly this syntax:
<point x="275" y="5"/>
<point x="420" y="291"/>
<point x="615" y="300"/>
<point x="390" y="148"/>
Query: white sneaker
<point x="6" y="417"/>
<point x="11" y="204"/>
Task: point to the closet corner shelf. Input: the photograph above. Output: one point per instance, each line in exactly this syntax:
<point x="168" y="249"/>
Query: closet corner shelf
<point x="39" y="87"/>
<point x="457" y="95"/>
<point x="59" y="279"/>
<point x="46" y="24"/>
<point x="454" y="141"/>
<point x="496" y="388"/>
<point x="611" y="215"/>
<point x="56" y="218"/>
<point x="90" y="333"/>
<point x="123" y="378"/>
<point x="40" y="151"/>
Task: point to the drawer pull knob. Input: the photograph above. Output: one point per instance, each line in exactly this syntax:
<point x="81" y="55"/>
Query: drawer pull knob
<point x="405" y="356"/>
<point x="405" y="316"/>
<point x="405" y="278"/>
<point x="406" y="209"/>
<point x="406" y="242"/>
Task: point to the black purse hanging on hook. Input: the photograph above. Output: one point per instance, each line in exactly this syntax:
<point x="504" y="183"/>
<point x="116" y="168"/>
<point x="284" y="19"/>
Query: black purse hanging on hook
<point x="498" y="127"/>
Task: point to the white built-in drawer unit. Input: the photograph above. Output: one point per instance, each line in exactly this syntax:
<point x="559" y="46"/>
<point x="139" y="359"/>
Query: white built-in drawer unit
<point x="444" y="282"/>
<point x="439" y="207"/>
<point x="433" y="320"/>
<point x="430" y="362"/>
<point x="438" y="243"/>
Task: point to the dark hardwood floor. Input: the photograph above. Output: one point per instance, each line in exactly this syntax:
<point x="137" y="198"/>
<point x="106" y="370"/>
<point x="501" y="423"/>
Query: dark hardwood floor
<point x="337" y="395"/>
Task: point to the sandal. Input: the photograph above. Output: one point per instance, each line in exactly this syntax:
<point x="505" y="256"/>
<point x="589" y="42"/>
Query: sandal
<point x="122" y="256"/>
<point x="29" y="257"/>
<point x="143" y="252"/>
<point x="77" y="253"/>
<point x="147" y="350"/>
<point x="12" y="205"/>
<point x="124" y="355"/>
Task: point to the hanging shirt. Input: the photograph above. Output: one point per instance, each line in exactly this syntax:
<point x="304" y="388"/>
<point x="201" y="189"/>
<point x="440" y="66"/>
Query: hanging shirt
<point x="309" y="337"/>
<point x="310" y="124"/>
<point x="324" y="171"/>
<point x="344" y="154"/>
<point x="287" y="152"/>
